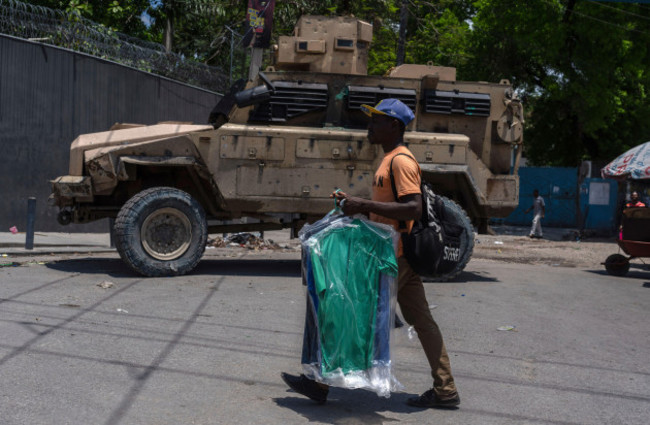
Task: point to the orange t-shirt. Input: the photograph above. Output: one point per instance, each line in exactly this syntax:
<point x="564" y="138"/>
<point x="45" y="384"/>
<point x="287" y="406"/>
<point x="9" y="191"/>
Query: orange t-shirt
<point x="407" y="182"/>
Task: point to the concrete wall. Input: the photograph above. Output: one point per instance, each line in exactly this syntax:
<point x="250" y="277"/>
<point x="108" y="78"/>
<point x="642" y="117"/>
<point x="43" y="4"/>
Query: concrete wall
<point x="49" y="96"/>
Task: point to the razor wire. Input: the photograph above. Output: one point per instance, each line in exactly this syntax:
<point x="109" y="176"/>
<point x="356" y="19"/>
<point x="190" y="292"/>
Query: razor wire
<point x="58" y="28"/>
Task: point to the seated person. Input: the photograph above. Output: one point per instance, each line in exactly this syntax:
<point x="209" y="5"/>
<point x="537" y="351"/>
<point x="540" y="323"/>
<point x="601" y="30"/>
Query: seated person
<point x="634" y="202"/>
<point x="635" y="220"/>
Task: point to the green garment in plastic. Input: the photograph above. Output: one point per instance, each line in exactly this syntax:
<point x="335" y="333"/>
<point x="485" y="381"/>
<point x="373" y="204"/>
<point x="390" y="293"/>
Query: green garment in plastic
<point x="347" y="265"/>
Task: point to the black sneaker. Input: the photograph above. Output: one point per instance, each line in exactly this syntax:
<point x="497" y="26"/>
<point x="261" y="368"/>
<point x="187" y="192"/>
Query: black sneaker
<point x="430" y="399"/>
<point x="398" y="322"/>
<point x="305" y="386"/>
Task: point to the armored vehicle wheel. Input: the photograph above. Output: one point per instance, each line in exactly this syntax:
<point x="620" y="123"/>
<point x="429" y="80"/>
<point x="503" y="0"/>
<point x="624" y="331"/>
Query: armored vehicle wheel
<point x="457" y="215"/>
<point x="617" y="265"/>
<point x="161" y="231"/>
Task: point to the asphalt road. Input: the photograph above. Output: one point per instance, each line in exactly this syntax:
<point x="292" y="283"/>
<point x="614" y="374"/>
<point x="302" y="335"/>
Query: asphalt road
<point x="208" y="348"/>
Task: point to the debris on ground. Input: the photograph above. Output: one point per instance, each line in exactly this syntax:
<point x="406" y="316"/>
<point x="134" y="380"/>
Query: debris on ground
<point x="105" y="284"/>
<point x="578" y="235"/>
<point x="244" y="240"/>
<point x="507" y="328"/>
<point x="13" y="229"/>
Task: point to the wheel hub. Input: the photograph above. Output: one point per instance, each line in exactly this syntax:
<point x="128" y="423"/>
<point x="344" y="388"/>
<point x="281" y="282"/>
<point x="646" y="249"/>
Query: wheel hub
<point x="166" y="234"/>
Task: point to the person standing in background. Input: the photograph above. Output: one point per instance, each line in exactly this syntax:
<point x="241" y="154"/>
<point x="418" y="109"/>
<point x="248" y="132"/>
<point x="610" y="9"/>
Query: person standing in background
<point x="539" y="210"/>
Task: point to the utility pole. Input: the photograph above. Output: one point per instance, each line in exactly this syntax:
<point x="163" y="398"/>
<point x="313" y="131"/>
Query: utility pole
<point x="401" y="43"/>
<point x="260" y="23"/>
<point x="233" y="33"/>
<point x="168" y="32"/>
<point x="257" y="54"/>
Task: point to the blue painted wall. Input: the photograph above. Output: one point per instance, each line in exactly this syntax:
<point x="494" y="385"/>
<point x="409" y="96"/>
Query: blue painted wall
<point x="558" y="186"/>
<point x="596" y="199"/>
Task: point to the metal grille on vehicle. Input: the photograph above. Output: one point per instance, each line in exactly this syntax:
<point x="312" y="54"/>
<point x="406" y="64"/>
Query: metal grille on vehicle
<point x="362" y="95"/>
<point x="291" y="100"/>
<point x="455" y="102"/>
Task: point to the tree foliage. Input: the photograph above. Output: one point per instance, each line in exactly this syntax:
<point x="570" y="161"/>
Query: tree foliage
<point x="582" y="66"/>
<point x="120" y="15"/>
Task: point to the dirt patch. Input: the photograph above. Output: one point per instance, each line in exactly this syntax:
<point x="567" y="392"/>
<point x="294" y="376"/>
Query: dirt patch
<point x="559" y="253"/>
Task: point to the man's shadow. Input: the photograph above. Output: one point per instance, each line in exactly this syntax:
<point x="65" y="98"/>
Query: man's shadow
<point x="345" y="407"/>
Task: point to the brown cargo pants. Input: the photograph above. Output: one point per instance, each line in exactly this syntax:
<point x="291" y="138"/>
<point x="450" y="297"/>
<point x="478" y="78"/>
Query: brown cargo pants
<point x="415" y="308"/>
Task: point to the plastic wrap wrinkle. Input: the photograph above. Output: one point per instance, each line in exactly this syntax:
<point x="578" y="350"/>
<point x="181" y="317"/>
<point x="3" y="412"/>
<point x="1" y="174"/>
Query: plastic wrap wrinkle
<point x="350" y="270"/>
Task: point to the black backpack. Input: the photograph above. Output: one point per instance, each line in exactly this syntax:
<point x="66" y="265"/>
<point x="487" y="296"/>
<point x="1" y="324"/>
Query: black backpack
<point x="432" y="249"/>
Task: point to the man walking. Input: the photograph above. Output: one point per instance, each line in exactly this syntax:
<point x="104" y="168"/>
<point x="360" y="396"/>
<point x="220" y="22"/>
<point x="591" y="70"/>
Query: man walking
<point x="388" y="121"/>
<point x="539" y="211"/>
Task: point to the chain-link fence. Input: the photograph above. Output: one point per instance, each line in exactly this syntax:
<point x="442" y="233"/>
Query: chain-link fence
<point x="56" y="27"/>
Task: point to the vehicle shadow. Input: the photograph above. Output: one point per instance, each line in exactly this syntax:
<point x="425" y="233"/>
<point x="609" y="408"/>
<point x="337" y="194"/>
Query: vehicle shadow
<point x="115" y="267"/>
<point x="465" y="277"/>
<point x="238" y="267"/>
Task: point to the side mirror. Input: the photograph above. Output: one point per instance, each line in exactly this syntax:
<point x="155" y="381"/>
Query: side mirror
<point x="257" y="94"/>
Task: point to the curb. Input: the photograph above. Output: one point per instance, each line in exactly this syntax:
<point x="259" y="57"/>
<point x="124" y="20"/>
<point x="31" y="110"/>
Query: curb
<point x="44" y="251"/>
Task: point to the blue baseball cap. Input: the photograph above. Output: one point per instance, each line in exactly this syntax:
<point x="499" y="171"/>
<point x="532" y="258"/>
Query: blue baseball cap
<point x="393" y="108"/>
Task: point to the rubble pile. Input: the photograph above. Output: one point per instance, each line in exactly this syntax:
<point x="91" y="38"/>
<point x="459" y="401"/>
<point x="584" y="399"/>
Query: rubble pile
<point x="244" y="240"/>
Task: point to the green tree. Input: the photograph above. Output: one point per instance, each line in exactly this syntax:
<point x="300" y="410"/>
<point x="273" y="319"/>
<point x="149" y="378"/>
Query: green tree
<point x="582" y="67"/>
<point x="120" y="15"/>
<point x="439" y="32"/>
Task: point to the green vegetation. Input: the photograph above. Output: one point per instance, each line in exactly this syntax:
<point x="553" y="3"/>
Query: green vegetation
<point x="581" y="66"/>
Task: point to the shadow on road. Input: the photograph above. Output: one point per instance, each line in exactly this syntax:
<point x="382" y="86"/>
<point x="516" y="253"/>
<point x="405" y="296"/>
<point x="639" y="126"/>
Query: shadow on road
<point x="266" y="267"/>
<point x="110" y="266"/>
<point x="466" y="276"/>
<point x="348" y="407"/>
<point x="115" y="267"/>
<point x="637" y="271"/>
<point x="222" y="267"/>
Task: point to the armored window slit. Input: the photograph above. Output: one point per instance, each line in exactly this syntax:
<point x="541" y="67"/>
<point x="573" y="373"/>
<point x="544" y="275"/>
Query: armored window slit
<point x="291" y="100"/>
<point x="360" y="95"/>
<point x="458" y="103"/>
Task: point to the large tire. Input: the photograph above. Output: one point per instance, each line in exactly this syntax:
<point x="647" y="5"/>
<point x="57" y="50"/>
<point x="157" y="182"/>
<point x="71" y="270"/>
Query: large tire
<point x="161" y="231"/>
<point x="617" y="265"/>
<point x="457" y="215"/>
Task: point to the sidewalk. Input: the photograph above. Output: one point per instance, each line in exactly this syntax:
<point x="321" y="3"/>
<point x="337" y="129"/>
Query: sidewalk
<point x="70" y="243"/>
<point x="50" y="242"/>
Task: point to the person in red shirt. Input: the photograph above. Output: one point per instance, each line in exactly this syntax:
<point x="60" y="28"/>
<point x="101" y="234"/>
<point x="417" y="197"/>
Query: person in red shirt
<point x="634" y="201"/>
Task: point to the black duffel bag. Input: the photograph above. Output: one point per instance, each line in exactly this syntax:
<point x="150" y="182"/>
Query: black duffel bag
<point x="433" y="247"/>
